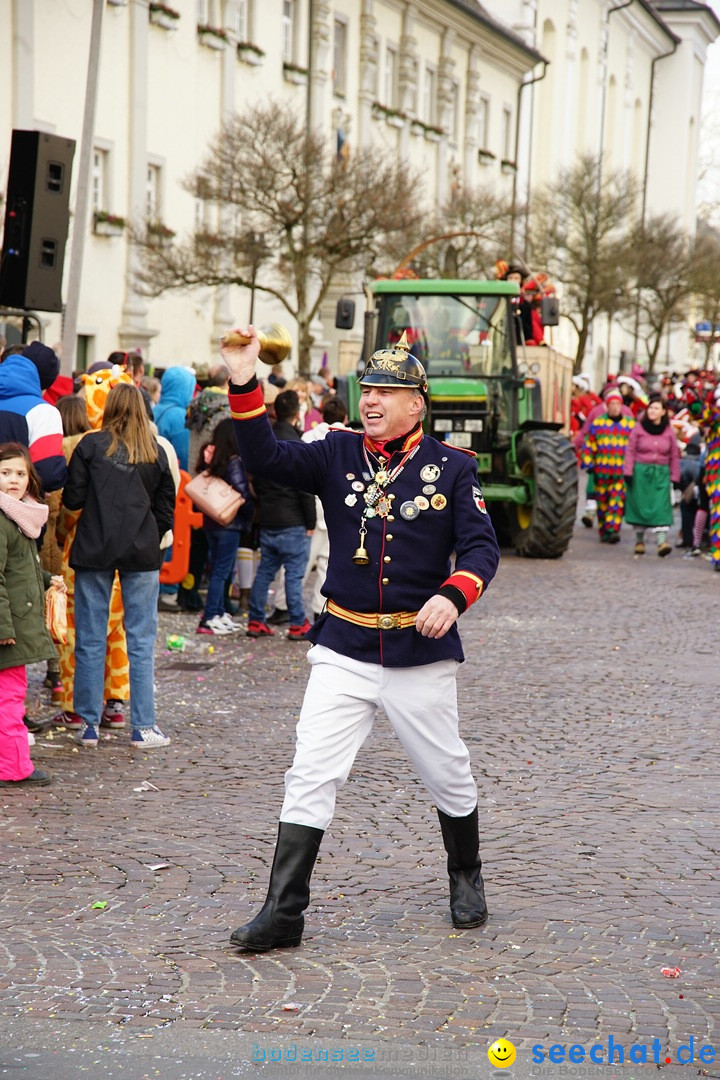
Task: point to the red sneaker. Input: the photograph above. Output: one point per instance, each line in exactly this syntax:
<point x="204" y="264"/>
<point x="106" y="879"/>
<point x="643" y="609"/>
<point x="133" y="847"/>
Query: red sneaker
<point x="69" y="720"/>
<point x="113" y="715"/>
<point x="297" y="633"/>
<point x="259" y="629"/>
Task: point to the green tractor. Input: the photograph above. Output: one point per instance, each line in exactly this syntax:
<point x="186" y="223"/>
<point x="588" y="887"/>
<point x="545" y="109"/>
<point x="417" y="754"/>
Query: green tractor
<point x="505" y="402"/>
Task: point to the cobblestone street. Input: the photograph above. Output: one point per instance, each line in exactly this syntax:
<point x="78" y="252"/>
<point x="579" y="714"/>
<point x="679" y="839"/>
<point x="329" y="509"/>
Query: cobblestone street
<point x="589" y="704"/>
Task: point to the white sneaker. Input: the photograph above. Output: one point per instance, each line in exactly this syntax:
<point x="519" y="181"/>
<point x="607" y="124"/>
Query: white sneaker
<point x="227" y="620"/>
<point x="213" y="626"/>
<point x="148" y="738"/>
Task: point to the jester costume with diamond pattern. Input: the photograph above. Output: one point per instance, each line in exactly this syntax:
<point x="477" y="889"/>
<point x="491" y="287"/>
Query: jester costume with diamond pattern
<point x="711" y="477"/>
<point x="603" y="454"/>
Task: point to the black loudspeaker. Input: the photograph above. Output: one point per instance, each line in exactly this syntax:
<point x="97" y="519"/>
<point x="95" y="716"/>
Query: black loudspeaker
<point x="36" y="221"/>
<point x="549" y="311"/>
<point x="345" y="314"/>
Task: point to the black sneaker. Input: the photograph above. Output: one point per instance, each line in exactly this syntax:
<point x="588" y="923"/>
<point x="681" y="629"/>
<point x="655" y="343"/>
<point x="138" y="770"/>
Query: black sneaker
<point x="278" y="617"/>
<point x="36" y="777"/>
<point x="37" y="727"/>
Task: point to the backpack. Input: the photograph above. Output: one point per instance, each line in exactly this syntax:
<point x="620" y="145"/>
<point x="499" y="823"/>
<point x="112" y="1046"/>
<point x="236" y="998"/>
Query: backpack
<point x="203" y="408"/>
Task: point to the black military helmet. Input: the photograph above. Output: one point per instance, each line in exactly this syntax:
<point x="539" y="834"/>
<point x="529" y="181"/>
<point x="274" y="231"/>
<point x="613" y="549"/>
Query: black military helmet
<point x="395" y="366"/>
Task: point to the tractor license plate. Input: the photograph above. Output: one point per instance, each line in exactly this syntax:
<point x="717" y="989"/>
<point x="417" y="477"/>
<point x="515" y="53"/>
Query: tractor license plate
<point x="460" y="438"/>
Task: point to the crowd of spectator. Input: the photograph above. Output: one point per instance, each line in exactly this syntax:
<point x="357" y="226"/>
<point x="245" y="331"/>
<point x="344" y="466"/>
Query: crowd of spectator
<point x="646" y="446"/>
<point x="100" y="459"/>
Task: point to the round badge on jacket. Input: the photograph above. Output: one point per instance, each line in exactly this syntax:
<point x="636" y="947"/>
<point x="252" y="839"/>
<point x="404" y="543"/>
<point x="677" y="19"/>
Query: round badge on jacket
<point x="409" y="511"/>
<point x="429" y="473"/>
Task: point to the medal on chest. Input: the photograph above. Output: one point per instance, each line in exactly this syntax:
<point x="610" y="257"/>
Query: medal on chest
<point x="378" y="500"/>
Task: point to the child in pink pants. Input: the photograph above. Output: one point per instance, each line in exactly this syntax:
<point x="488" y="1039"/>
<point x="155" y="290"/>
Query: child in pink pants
<point x="23" y="636"/>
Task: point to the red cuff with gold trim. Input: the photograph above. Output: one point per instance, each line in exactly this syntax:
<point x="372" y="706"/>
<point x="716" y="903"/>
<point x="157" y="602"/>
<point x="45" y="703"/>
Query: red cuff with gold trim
<point x="246" y="402"/>
<point x="470" y="585"/>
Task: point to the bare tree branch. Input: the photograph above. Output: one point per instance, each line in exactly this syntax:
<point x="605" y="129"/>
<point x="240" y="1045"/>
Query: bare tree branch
<point x="579" y="236"/>
<point x="291" y="216"/>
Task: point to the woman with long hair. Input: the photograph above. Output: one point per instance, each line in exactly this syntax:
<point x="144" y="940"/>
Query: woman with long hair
<point x="120" y="478"/>
<point x="220" y="458"/>
<point x="116" y="690"/>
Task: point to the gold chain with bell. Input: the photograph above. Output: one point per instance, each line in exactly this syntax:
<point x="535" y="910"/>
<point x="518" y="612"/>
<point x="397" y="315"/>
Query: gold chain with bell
<point x="378" y="502"/>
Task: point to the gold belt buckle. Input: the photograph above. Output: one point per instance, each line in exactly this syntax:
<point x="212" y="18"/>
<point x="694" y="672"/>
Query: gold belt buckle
<point x="388" y="622"/>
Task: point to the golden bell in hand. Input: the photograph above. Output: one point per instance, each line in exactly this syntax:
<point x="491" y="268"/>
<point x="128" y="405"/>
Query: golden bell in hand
<point x="275" y="342"/>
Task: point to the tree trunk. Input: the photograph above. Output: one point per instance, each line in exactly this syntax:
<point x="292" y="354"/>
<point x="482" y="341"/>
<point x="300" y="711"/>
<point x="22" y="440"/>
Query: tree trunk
<point x="305" y="340"/>
<point x="652" y="354"/>
<point x="708" y="348"/>
<point x="581" y="346"/>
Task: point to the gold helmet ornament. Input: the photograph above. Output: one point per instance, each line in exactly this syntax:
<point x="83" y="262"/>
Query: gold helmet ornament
<point x="395" y="366"/>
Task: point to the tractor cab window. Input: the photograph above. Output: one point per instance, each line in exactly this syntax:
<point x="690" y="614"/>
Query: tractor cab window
<point x="451" y="335"/>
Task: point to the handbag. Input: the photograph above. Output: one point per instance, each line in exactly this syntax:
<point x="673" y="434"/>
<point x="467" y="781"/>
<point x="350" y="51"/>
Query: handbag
<point x="56" y="614"/>
<point x="216" y="498"/>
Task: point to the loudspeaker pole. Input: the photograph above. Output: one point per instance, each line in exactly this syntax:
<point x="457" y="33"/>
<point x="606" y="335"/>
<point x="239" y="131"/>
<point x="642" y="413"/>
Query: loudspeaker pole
<point x="82" y="194"/>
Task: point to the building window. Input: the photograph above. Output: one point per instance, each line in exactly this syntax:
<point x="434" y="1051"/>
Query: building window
<point x="288" y="12"/>
<point x="203" y="12"/>
<point x="429" y="95"/>
<point x="153" y="208"/>
<point x="340" y="58"/>
<point x="84" y="351"/>
<point x="484" y="122"/>
<point x="390" y="81"/>
<point x="242" y="28"/>
<point x="507" y="144"/>
<point x="99" y="180"/>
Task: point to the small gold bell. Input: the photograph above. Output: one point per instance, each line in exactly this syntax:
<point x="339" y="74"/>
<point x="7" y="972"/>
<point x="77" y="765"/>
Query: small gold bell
<point x="361" y="557"/>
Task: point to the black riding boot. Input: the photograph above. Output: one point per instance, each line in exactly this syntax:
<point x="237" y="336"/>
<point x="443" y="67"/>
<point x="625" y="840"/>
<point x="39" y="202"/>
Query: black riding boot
<point x="279" y="925"/>
<point x="467" y="891"/>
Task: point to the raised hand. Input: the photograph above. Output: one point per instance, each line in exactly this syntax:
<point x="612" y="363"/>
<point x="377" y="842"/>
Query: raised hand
<point x="239" y="349"/>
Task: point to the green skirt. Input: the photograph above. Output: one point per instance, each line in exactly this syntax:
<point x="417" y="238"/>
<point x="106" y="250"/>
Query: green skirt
<point x="648" y="501"/>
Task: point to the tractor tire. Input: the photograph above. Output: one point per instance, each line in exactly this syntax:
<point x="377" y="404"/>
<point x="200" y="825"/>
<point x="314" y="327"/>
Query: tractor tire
<point x="543" y="530"/>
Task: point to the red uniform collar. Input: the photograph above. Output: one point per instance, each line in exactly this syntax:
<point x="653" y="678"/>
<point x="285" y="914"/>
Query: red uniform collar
<point x="402" y="443"/>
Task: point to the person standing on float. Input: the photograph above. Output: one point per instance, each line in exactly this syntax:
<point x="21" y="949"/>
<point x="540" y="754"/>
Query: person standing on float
<point x="397" y="505"/>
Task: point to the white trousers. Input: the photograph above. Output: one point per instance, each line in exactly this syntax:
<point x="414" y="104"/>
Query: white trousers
<point x="341" y="700"/>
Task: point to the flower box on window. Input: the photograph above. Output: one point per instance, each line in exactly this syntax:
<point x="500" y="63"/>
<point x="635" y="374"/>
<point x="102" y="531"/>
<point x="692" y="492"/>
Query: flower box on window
<point x="294" y="73"/>
<point x="429" y="131"/>
<point x="508" y="167"/>
<point x="212" y="36"/>
<point x="164" y="16"/>
<point x="105" y="224"/>
<point x="207" y="241"/>
<point x="486" y="157"/>
<point x="393" y="117"/>
<point x="159" y="235"/>
<point x="250" y="53"/>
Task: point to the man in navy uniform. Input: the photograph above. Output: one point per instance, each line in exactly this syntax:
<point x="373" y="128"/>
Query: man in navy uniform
<point x="397" y="505"/>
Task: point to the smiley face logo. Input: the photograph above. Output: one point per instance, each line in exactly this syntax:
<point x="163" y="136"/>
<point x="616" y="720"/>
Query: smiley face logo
<point x="502" y="1053"/>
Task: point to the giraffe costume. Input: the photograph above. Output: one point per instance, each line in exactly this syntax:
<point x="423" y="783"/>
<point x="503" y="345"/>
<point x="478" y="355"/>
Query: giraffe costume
<point x="117" y="684"/>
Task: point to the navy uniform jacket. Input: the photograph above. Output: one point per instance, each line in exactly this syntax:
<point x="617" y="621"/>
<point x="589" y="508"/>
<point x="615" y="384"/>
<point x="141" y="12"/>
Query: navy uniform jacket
<point x="409" y="559"/>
